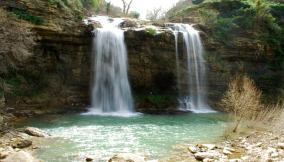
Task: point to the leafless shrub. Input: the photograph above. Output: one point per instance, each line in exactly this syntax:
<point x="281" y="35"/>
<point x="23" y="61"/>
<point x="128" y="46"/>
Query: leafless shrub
<point x="155" y="14"/>
<point x="243" y="100"/>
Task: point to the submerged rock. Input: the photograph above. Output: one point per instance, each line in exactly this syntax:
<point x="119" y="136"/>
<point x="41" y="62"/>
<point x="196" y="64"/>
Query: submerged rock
<point x="89" y="159"/>
<point x="35" y="132"/>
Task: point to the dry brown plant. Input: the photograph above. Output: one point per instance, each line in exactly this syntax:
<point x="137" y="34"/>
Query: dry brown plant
<point x="243" y="100"/>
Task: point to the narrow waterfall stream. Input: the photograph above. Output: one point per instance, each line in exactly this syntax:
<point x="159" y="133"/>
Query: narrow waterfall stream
<point x="111" y="94"/>
<point x="195" y="99"/>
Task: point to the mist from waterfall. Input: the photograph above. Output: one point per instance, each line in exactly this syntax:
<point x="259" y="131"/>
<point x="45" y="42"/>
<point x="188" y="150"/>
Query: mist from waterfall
<point x="111" y="94"/>
<point x="195" y="99"/>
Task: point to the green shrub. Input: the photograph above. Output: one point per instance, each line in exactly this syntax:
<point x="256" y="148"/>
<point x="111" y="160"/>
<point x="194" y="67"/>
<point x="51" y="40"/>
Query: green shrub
<point x="22" y="14"/>
<point x="151" y="31"/>
<point x="134" y="14"/>
<point x="223" y="28"/>
<point x="208" y="17"/>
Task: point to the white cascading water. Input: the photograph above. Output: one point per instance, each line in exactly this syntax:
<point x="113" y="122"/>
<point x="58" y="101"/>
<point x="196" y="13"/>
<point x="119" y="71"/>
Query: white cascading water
<point x="196" y="100"/>
<point x="111" y="94"/>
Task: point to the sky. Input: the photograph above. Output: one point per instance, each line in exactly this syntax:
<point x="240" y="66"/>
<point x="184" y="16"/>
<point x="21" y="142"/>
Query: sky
<point x="142" y="6"/>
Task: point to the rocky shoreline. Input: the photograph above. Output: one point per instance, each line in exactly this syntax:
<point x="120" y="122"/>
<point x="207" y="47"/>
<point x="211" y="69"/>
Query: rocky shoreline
<point x="17" y="144"/>
<point x="257" y="146"/>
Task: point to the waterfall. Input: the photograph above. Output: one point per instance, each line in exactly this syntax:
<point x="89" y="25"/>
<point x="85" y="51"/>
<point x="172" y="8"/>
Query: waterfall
<point x="111" y="94"/>
<point x="195" y="99"/>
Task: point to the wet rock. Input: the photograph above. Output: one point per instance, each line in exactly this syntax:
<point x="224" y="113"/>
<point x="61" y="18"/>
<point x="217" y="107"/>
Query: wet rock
<point x="21" y="143"/>
<point x="127" y="157"/>
<point x="207" y="155"/>
<point x="20" y="156"/>
<point x="89" y="159"/>
<point x="96" y="25"/>
<point x="35" y="132"/>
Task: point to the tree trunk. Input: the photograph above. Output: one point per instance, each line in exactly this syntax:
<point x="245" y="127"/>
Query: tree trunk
<point x="237" y="125"/>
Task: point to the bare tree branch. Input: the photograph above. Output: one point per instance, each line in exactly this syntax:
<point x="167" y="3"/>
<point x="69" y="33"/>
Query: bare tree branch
<point x="126" y="6"/>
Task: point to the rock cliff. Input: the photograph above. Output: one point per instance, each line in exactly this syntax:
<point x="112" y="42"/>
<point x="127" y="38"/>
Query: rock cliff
<point x="57" y="76"/>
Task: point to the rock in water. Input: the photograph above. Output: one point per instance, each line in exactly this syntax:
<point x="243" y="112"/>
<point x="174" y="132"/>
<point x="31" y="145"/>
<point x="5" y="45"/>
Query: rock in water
<point x="127" y="157"/>
<point x="20" y="156"/>
<point x="36" y="132"/>
<point x="89" y="159"/>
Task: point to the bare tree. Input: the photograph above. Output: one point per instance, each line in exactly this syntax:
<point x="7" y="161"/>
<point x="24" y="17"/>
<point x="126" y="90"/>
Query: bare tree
<point x="126" y="6"/>
<point x="243" y="100"/>
<point x="155" y="14"/>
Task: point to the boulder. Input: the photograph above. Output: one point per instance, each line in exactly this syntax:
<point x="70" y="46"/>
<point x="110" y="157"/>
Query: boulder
<point x="89" y="158"/>
<point x="97" y="24"/>
<point x="4" y="154"/>
<point x="20" y="156"/>
<point x="129" y="23"/>
<point x="207" y="155"/>
<point x="227" y="152"/>
<point x="193" y="149"/>
<point x="21" y="143"/>
<point x="35" y="132"/>
<point x="127" y="157"/>
<point x="208" y="146"/>
<point x="280" y="145"/>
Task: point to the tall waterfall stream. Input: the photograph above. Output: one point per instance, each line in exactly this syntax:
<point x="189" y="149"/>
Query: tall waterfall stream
<point x="111" y="94"/>
<point x="195" y="98"/>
